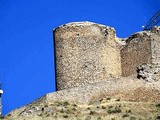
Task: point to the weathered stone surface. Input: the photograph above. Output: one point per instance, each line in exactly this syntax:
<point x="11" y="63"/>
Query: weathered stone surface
<point x="85" y="53"/>
<point x="125" y="88"/>
<point x="136" y="52"/>
<point x="155" y="44"/>
<point x="151" y="72"/>
<point x="88" y="52"/>
<point x="148" y="72"/>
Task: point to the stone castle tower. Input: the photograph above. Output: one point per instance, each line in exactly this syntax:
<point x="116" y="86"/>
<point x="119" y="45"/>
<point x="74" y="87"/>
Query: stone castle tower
<point x="87" y="52"/>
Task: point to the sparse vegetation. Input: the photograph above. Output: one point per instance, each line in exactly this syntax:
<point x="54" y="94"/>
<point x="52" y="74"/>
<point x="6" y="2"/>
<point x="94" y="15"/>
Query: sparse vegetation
<point x="101" y="100"/>
<point x="113" y="119"/>
<point x="68" y="111"/>
<point x="74" y="105"/>
<point x="127" y="110"/>
<point x="125" y="115"/>
<point x="74" y="109"/>
<point x="45" y="105"/>
<point x="65" y="116"/>
<point x="99" y="118"/>
<point x="114" y="110"/>
<point x="65" y="103"/>
<point x="132" y="118"/>
<point x="158" y="117"/>
<point x="108" y="99"/>
<point x="117" y="100"/>
<point x="88" y="118"/>
<point x="110" y="107"/>
<point x="158" y="105"/>
<point x="62" y="111"/>
<point x="92" y="113"/>
<point x="103" y="107"/>
<point x="2" y="117"/>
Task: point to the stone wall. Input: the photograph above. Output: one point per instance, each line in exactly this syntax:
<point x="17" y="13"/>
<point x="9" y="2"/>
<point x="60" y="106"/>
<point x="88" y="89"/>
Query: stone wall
<point x="151" y="72"/>
<point x="87" y="52"/>
<point x="155" y="44"/>
<point x="136" y="52"/>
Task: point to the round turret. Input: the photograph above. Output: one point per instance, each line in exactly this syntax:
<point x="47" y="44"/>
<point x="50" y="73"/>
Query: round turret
<point x="84" y="54"/>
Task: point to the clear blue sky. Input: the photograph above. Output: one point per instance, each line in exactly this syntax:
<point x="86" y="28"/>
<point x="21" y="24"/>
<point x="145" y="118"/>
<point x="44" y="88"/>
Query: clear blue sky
<point x="26" y="40"/>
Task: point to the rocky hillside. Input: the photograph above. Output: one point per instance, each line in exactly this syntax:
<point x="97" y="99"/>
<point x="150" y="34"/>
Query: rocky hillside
<point x="136" y="97"/>
<point x="116" y="99"/>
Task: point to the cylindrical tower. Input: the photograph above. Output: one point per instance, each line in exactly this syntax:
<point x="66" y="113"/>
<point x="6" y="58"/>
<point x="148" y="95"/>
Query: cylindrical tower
<point x="85" y="53"/>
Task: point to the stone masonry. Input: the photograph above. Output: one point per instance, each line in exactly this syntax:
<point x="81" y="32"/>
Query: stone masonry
<point x="151" y="72"/>
<point x="135" y="52"/>
<point x="155" y="40"/>
<point x="87" y="52"/>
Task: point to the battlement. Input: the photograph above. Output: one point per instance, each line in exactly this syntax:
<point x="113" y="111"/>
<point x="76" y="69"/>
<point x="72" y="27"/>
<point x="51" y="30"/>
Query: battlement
<point x="87" y="52"/>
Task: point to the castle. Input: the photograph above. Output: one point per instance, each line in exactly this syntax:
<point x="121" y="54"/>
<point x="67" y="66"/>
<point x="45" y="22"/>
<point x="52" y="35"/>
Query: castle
<point x="87" y="52"/>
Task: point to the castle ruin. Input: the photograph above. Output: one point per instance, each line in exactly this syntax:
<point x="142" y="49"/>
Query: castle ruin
<point x="87" y="52"/>
<point x="91" y="53"/>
